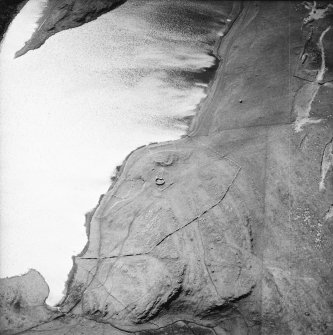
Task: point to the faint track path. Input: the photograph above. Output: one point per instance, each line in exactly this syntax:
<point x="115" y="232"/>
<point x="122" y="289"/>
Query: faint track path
<point x="241" y="16"/>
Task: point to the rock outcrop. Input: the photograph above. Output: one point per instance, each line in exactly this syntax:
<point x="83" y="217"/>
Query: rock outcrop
<point x="227" y="230"/>
<point x="59" y="15"/>
<point x="22" y="303"/>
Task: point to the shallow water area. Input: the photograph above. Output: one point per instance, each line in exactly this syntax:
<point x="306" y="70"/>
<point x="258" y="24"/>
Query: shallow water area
<point x="72" y="110"/>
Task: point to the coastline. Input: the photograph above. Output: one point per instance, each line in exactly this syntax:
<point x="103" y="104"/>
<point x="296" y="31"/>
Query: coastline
<point x="12" y="13"/>
<point x="236" y="10"/>
<point x="58" y="16"/>
<point x="203" y="106"/>
<point x="242" y="204"/>
<point x="11" y="10"/>
<point x="199" y="73"/>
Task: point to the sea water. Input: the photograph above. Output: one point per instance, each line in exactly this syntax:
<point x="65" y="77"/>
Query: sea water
<point x="72" y="110"/>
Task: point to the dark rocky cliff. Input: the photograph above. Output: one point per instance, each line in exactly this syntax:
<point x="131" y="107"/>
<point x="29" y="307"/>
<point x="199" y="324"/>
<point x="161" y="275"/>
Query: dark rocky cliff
<point x="65" y="14"/>
<point x="58" y="15"/>
<point x="227" y="230"/>
<point x="8" y="9"/>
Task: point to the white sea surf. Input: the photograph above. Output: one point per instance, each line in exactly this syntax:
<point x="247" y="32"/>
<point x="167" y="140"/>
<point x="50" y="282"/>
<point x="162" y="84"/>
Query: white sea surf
<point x="72" y="110"/>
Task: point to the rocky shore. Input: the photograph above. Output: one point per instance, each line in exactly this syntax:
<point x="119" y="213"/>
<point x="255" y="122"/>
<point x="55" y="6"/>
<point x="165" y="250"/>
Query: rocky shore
<point x="66" y="14"/>
<point x="227" y="230"/>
